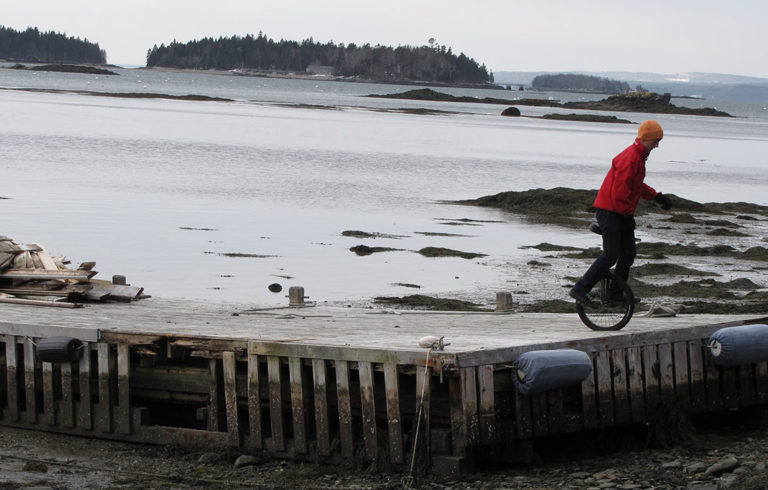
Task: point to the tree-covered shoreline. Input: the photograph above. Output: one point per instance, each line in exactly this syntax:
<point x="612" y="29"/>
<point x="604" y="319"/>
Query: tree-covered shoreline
<point x="579" y="83"/>
<point x="404" y="63"/>
<point x="33" y="45"/>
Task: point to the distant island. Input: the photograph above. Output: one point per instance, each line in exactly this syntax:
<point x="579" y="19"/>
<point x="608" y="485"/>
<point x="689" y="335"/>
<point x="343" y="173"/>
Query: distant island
<point x="64" y="68"/>
<point x="640" y="101"/>
<point x="433" y="63"/>
<point x="35" y="46"/>
<point x="579" y="83"/>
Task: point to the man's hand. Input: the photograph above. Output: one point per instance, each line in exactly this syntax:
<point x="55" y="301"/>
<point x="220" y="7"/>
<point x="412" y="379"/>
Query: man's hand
<point x="666" y="202"/>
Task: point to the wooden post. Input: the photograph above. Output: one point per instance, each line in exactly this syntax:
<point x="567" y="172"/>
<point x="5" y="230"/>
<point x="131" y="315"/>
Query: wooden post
<point x="29" y="381"/>
<point x="67" y="400"/>
<point x="213" y="395"/>
<point x="118" y="280"/>
<point x="48" y="399"/>
<point x="321" y="407"/>
<point x="345" y="410"/>
<point x="488" y="432"/>
<point x="296" y="296"/>
<point x="635" y="378"/>
<point x="297" y="405"/>
<point x="85" y="412"/>
<point x="254" y="402"/>
<point x="368" y="409"/>
<point x="230" y="397"/>
<point x="123" y="415"/>
<point x="394" y="425"/>
<point x="275" y="403"/>
<point x="105" y="398"/>
<point x="503" y="301"/>
<point x="423" y="386"/>
<point x="12" y="365"/>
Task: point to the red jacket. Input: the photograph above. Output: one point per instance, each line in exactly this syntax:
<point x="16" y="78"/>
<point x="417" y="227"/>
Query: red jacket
<point x="623" y="186"/>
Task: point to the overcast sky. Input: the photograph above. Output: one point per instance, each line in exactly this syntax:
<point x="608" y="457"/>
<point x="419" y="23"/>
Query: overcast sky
<point x="660" y="36"/>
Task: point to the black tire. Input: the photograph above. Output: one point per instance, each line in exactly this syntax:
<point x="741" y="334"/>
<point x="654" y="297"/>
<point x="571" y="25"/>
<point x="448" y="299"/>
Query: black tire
<point x="609" y="315"/>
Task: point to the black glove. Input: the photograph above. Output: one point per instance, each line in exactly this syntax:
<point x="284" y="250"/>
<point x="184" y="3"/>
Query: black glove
<point x="628" y="222"/>
<point x="666" y="203"/>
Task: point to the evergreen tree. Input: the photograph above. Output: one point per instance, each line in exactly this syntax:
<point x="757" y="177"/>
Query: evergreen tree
<point x="48" y="47"/>
<point x="428" y="63"/>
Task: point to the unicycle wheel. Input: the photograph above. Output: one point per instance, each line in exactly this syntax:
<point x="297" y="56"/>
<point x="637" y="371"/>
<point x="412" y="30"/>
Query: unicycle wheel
<point x="613" y="311"/>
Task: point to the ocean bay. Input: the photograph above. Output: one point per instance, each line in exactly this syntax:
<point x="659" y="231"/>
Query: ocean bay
<point x="159" y="190"/>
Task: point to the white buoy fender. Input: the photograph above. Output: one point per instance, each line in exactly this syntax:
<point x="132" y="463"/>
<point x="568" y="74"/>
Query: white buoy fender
<point x="745" y="344"/>
<point x="59" y="349"/>
<point x="543" y="370"/>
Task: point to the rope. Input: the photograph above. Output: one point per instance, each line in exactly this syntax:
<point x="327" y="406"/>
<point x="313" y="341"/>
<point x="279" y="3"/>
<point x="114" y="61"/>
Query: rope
<point x="408" y="480"/>
<point x="659" y="309"/>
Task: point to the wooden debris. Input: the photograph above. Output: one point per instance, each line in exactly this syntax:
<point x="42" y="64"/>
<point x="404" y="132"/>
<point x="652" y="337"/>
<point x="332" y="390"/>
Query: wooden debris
<point x="33" y="277"/>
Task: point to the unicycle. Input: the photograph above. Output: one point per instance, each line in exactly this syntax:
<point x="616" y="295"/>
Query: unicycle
<point x="615" y="301"/>
<point x="614" y="310"/>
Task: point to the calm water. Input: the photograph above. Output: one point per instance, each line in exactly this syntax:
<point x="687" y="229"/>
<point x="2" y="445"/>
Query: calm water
<point x="158" y="190"/>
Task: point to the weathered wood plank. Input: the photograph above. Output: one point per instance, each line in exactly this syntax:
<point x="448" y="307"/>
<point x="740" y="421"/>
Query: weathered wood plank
<point x="589" y="405"/>
<point x="67" y="405"/>
<point x="368" y="409"/>
<point x="49" y="404"/>
<point x="255" y="439"/>
<point x="423" y="406"/>
<point x="104" y="417"/>
<point x="41" y="274"/>
<point x="523" y="416"/>
<point x="275" y="404"/>
<point x="458" y="417"/>
<point x="123" y="409"/>
<point x="697" y="381"/>
<point x="360" y="354"/>
<point x="346" y="434"/>
<point x="322" y="429"/>
<point x="85" y="405"/>
<point x="229" y="367"/>
<point x="604" y="391"/>
<point x="682" y="375"/>
<point x="39" y="302"/>
<point x="635" y="387"/>
<point x="652" y="377"/>
<point x="487" y="411"/>
<point x="213" y="395"/>
<point x="394" y="423"/>
<point x="468" y="378"/>
<point x="11" y="371"/>
<point x="30" y="397"/>
<point x="41" y="331"/>
<point x="297" y="405"/>
<point x="621" y="404"/>
<point x="667" y="371"/>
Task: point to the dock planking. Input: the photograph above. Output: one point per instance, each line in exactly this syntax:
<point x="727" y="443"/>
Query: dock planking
<point x="334" y="384"/>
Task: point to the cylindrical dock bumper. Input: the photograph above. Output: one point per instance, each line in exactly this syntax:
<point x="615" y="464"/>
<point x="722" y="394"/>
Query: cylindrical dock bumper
<point x="59" y="349"/>
<point x="745" y="344"/>
<point x="543" y="370"/>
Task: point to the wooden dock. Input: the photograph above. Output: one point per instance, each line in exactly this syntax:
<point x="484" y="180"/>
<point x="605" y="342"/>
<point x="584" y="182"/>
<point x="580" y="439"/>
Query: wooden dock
<point x="337" y="385"/>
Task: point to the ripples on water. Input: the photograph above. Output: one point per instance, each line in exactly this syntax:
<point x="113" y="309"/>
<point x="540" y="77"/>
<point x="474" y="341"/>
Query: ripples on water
<point x="115" y="180"/>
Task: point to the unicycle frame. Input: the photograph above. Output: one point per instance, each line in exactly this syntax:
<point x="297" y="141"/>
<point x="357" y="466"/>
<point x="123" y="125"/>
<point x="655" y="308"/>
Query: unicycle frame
<point x="611" y="313"/>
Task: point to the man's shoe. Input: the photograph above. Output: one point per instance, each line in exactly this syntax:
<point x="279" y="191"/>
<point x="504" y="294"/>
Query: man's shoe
<point x="583" y="298"/>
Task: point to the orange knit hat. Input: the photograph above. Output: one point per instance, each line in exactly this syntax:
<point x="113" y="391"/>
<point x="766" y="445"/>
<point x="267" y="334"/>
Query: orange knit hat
<point x="650" y="130"/>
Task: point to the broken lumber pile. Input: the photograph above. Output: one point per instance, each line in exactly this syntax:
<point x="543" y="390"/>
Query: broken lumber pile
<point x="30" y="275"/>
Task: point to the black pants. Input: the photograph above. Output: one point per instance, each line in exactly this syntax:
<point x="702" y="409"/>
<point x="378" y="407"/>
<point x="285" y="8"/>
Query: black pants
<point x="618" y="248"/>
